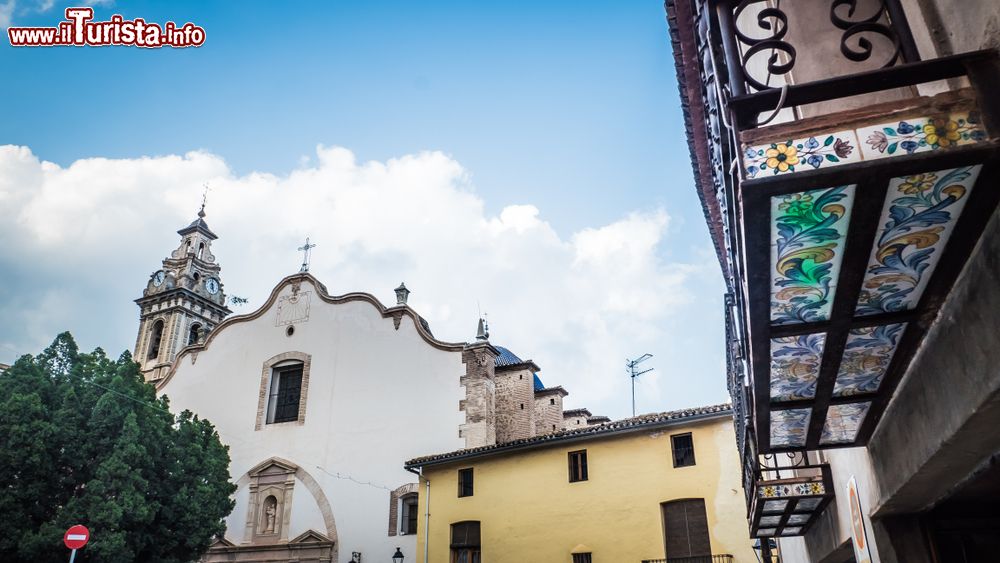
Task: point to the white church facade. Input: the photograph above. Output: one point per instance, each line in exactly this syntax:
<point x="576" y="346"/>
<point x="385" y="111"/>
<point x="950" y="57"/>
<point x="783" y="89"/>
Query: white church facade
<point x="321" y="398"/>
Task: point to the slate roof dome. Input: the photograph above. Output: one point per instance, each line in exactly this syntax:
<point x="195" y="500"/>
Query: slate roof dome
<point x="508" y="358"/>
<point x="199" y="224"/>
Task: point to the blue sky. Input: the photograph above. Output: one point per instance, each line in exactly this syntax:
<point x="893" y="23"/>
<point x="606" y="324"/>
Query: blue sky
<point x="570" y="107"/>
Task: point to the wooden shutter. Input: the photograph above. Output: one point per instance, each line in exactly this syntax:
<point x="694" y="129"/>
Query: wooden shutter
<point x="686" y="528"/>
<point x="465" y="534"/>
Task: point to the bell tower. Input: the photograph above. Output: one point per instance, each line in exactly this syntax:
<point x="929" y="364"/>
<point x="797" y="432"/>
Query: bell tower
<point x="183" y="301"/>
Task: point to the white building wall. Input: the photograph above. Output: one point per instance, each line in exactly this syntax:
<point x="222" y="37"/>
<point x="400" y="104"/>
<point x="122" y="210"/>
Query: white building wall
<point x="834" y="525"/>
<point x="377" y="396"/>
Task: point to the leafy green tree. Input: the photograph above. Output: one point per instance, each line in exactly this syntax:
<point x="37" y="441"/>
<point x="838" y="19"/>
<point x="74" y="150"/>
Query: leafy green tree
<point x="84" y="440"/>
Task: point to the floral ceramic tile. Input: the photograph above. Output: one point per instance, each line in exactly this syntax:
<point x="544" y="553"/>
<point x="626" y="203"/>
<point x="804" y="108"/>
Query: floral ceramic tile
<point x="842" y="423"/>
<point x="920" y="135"/>
<point x="808" y="230"/>
<point x="789" y="426"/>
<point x="918" y="217"/>
<point x="766" y="532"/>
<point x="787" y="156"/>
<point x="795" y="362"/>
<point x="866" y="358"/>
<point x="791" y="490"/>
<point x="793" y="531"/>
<point x="775" y="506"/>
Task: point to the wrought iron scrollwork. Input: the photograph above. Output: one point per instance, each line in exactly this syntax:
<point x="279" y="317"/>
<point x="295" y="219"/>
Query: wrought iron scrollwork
<point x="774" y="21"/>
<point x="876" y="23"/>
<point x="755" y="36"/>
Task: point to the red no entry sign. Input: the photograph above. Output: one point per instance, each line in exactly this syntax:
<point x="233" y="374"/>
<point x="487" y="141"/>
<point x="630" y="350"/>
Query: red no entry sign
<point x="76" y="537"/>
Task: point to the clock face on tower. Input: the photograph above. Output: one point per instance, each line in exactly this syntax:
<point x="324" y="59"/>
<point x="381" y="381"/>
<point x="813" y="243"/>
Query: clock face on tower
<point x="212" y="285"/>
<point x="158" y="278"/>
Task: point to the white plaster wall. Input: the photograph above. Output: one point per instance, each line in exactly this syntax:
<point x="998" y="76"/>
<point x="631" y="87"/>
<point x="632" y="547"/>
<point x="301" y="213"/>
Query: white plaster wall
<point x="377" y="397"/>
<point x="834" y="525"/>
<point x="306" y="514"/>
<point x="235" y="524"/>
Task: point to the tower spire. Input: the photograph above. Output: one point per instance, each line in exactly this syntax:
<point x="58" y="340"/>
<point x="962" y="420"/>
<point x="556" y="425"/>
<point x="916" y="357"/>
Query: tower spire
<point x="183" y="300"/>
<point x="483" y="332"/>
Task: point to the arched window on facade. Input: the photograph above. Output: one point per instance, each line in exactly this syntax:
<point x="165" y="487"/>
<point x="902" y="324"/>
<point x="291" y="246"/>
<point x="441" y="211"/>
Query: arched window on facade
<point x="194" y="335"/>
<point x="201" y="251"/>
<point x="154" y="340"/>
<point x="465" y="544"/>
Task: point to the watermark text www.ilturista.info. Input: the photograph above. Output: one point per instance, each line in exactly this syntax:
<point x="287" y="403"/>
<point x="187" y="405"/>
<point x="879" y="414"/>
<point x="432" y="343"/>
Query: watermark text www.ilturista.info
<point x="79" y="30"/>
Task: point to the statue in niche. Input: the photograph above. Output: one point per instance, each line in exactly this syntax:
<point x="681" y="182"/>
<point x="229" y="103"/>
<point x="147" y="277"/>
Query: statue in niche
<point x="270" y="513"/>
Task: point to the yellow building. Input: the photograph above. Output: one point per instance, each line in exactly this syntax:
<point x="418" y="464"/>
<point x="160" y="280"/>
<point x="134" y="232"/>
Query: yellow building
<point x="655" y="487"/>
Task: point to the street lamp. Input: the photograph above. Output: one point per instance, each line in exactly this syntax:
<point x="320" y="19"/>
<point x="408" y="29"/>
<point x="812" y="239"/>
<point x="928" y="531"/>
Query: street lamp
<point x="397" y="557"/>
<point x="763" y="548"/>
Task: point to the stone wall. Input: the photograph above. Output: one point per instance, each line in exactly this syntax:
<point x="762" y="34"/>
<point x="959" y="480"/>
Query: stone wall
<point x="479" y="404"/>
<point x="941" y="424"/>
<point x="515" y="403"/>
<point x="549" y="410"/>
<point x="575" y="418"/>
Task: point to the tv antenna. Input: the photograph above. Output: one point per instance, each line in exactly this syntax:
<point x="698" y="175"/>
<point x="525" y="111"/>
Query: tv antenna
<point x="634" y="372"/>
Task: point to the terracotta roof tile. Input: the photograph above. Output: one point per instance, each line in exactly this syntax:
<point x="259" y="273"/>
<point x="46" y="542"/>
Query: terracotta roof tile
<point x="627" y="424"/>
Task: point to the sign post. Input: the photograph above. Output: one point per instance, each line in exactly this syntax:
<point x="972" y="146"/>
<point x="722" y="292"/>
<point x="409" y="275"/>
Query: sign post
<point x="859" y="534"/>
<point x="75" y="538"/>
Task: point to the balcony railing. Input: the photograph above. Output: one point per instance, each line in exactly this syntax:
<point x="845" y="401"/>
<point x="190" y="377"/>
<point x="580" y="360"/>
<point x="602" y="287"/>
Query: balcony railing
<point x="721" y="558"/>
<point x="763" y="50"/>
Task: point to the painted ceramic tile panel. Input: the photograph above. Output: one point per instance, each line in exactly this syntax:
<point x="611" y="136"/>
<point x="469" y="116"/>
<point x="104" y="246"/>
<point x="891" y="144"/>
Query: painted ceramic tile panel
<point x="883" y="140"/>
<point x="920" y="134"/>
<point x="791" y="531"/>
<point x="789" y="155"/>
<point x="808" y="504"/>
<point x="770" y="520"/>
<point x="773" y="506"/>
<point x="789" y="426"/>
<point x="766" y="532"/>
<point x="918" y="217"/>
<point x="792" y="490"/>
<point x="795" y="364"/>
<point x="807" y="232"/>
<point x="842" y="423"/>
<point x="866" y="358"/>
<point x="798" y="518"/>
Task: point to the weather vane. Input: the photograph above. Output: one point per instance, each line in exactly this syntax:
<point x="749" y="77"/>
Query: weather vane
<point x="304" y="249"/>
<point x="204" y="200"/>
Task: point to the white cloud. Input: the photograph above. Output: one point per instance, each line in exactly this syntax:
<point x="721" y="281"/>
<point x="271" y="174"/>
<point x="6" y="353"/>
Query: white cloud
<point x="6" y="13"/>
<point x="24" y="7"/>
<point x="79" y="241"/>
